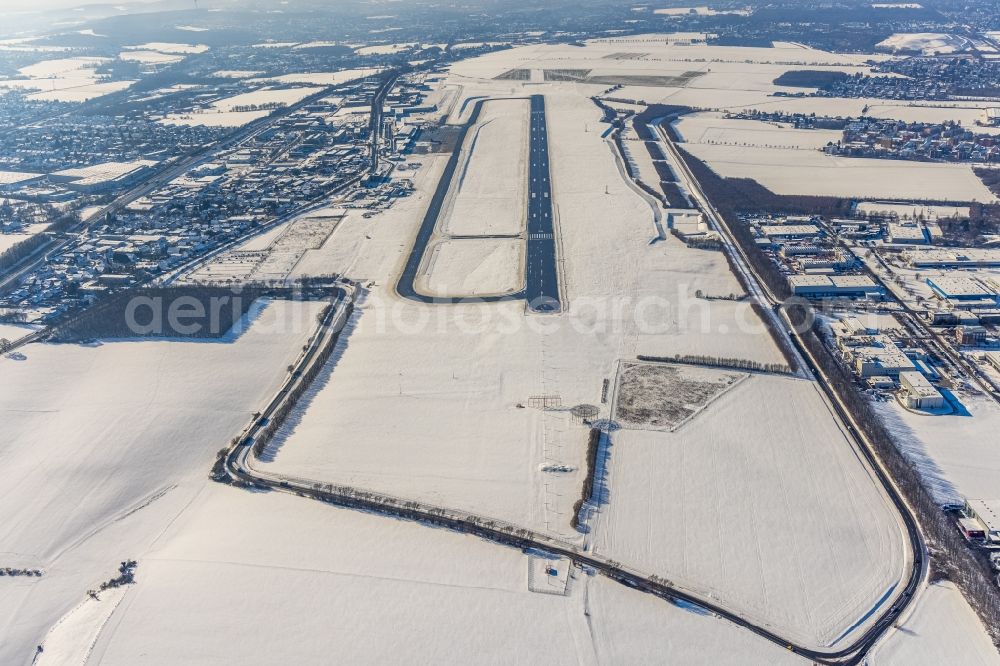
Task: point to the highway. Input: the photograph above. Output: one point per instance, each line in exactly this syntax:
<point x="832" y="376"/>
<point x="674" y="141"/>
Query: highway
<point x="761" y="293"/>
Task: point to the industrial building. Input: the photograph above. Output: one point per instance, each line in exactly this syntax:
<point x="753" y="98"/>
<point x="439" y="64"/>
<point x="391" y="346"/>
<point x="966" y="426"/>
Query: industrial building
<point x="962" y="288"/>
<point x="105" y="177"/>
<point x="918" y="393"/>
<point x="872" y="355"/>
<point x="790" y="230"/>
<point x="908" y="234"/>
<point x="965" y="257"/>
<point x="826" y="286"/>
<point x="12" y="180"/>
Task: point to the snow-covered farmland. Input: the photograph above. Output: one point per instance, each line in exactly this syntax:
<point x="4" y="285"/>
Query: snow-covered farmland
<point x="65" y="80"/>
<point x="940" y="629"/>
<point x="150" y="57"/>
<point x="105" y="443"/>
<point x="327" y="78"/>
<point x="240" y="109"/>
<point x="372" y="591"/>
<point x="779" y="508"/>
<point x="384" y="49"/>
<point x="474" y="267"/>
<point x="713" y="128"/>
<point x="169" y="47"/>
<point x="490" y="185"/>
<point x="912" y="211"/>
<point x="789" y="171"/>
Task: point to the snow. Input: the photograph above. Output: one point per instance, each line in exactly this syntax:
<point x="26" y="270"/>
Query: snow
<point x="488" y="190"/>
<point x="328" y="78"/>
<point x="941" y="629"/>
<point x="81" y="93"/>
<point x="913" y="210"/>
<point x="47" y="69"/>
<point x="71" y="639"/>
<point x="105" y="443"/>
<point x="14" y="332"/>
<point x="699" y="11"/>
<point x="778" y="508"/>
<point x="775" y="516"/>
<point x="150" y="57"/>
<point x="927" y="43"/>
<point x="372" y="590"/>
<point x="384" y="49"/>
<point x="221" y="113"/>
<point x="169" y="47"/>
<point x="790" y="171"/>
<point x="956" y="453"/>
<point x="265" y="96"/>
<point x="713" y="128"/>
<point x="474" y="267"/>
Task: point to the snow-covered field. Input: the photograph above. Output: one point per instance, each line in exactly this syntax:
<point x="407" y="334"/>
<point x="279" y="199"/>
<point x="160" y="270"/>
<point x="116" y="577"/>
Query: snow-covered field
<point x="489" y="187"/>
<point x="384" y="49"/>
<point x="64" y="80"/>
<point x="913" y="211"/>
<point x="779" y="508"/>
<point x="232" y="111"/>
<point x="789" y="171"/>
<point x="941" y="629"/>
<point x="327" y="78"/>
<point x="927" y="43"/>
<point x="103" y="444"/>
<point x="956" y="454"/>
<point x="713" y="128"/>
<point x="169" y="47"/>
<point x="474" y="267"/>
<point x="150" y="57"/>
<point x="375" y="591"/>
<point x="14" y="332"/>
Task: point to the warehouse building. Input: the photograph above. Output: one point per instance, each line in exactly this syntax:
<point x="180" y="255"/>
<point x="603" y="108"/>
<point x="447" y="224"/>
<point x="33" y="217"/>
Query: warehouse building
<point x="830" y="286"/>
<point x="962" y="288"/>
<point x="790" y="230"/>
<point x="918" y="393"/>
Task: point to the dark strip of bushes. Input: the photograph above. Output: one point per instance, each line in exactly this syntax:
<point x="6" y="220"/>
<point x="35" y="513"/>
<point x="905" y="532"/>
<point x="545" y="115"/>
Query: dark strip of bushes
<point x="587" y="492"/>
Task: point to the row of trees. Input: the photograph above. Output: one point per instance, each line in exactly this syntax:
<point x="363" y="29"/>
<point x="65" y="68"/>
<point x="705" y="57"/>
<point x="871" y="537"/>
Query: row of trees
<point x="587" y="492"/>
<point x="146" y="311"/>
<point x="719" y="362"/>
<point x="270" y="429"/>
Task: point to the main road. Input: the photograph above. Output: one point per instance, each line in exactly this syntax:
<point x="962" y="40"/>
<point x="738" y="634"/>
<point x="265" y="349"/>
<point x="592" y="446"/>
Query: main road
<point x="760" y="292"/>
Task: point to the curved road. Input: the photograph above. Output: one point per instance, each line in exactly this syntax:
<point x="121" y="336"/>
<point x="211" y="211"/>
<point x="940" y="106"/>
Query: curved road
<point x="238" y="464"/>
<point x="760" y="292"/>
